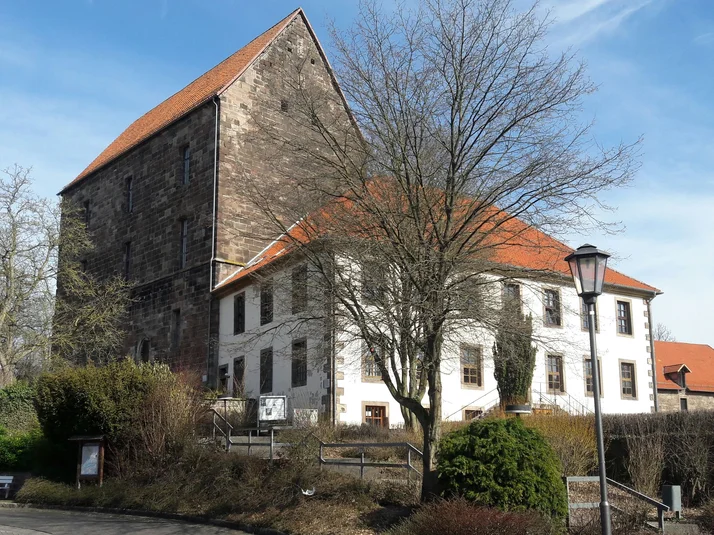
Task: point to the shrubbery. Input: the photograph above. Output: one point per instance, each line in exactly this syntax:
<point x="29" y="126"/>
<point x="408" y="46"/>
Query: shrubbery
<point x="571" y="437"/>
<point x="459" y="517"/>
<point x="18" y="451"/>
<point x="17" y="412"/>
<point x="502" y="463"/>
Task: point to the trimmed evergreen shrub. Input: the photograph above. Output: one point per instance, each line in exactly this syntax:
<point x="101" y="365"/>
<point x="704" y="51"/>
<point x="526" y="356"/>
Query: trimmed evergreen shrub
<point x="502" y="463"/>
<point x="17" y="412"/>
<point x="18" y="451"/>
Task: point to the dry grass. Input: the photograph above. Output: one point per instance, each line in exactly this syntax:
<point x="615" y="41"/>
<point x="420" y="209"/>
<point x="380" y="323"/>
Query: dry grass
<point x="572" y="438"/>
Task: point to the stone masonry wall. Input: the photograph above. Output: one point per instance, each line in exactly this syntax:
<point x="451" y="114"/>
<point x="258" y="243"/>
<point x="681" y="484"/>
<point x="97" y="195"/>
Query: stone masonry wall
<point x="160" y="201"/>
<point x="257" y="96"/>
<point x="669" y="400"/>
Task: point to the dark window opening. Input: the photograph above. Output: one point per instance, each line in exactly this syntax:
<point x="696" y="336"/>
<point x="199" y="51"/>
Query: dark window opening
<point x="552" y="307"/>
<point x="145" y="351"/>
<point x="471" y="414"/>
<point x="585" y="317"/>
<point x="127" y="260"/>
<point x="370" y="366"/>
<point x="266" y="370"/>
<point x="176" y="329"/>
<point x="299" y="363"/>
<point x="266" y="303"/>
<point x="239" y="314"/>
<point x="223" y="378"/>
<point x="299" y="289"/>
<point x="186" y="176"/>
<point x="624" y="320"/>
<point x="555" y="374"/>
<point x="239" y="377"/>
<point x="589" y="376"/>
<point x="512" y="297"/>
<point x="87" y="214"/>
<point x="683" y="405"/>
<point x="130" y="194"/>
<point x="312" y="61"/>
<point x="284" y="106"/>
<point x="183" y="252"/>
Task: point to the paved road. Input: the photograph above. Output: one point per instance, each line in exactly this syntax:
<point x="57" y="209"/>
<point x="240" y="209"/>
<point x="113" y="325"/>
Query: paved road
<point x="26" y="521"/>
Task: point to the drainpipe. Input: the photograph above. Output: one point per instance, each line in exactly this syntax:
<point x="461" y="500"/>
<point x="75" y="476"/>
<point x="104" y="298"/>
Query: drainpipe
<point x="652" y="353"/>
<point x="210" y="365"/>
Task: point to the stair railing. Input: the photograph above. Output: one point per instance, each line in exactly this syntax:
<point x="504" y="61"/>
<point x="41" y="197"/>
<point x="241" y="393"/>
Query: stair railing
<point x="217" y="418"/>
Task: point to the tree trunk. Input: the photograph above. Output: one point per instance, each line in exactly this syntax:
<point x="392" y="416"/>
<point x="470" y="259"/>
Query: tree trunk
<point x="410" y="419"/>
<point x="432" y="434"/>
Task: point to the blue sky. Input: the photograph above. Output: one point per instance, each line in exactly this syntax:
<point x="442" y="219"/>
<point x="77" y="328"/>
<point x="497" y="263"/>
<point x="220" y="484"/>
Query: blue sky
<point x="74" y="74"/>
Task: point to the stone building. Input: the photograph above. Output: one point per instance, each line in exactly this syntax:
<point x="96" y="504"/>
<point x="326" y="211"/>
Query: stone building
<point x="685" y="376"/>
<point x="163" y="201"/>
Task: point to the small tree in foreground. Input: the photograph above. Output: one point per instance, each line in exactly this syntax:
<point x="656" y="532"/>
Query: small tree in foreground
<point x="514" y="357"/>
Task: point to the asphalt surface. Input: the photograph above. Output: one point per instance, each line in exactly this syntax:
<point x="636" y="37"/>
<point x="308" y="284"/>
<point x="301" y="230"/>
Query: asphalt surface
<point x="27" y="521"/>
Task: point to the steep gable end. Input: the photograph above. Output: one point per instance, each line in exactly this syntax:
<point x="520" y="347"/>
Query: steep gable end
<point x="190" y="97"/>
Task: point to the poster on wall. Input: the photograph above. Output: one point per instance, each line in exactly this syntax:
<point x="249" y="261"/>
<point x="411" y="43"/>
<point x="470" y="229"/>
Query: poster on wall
<point x="90" y="460"/>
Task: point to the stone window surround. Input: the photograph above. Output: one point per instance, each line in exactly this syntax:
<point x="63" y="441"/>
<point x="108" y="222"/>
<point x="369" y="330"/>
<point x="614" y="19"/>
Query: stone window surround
<point x="563" y="386"/>
<point x="635" y="385"/>
<point x="384" y="404"/>
<point x="585" y="384"/>
<point x="632" y="323"/>
<point x="582" y="316"/>
<point x="295" y="380"/>
<point x="560" y="307"/>
<point x="363" y="357"/>
<point x="471" y="386"/>
<point x="467" y="409"/>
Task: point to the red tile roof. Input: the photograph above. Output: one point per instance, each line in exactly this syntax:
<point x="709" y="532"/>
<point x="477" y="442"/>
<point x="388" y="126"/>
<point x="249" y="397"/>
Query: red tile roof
<point x="531" y="250"/>
<point x="201" y="90"/>
<point x="698" y="358"/>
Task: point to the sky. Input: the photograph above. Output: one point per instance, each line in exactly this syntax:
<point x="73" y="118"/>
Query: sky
<point x="75" y="73"/>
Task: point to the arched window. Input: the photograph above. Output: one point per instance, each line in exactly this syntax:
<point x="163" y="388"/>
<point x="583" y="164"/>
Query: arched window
<point x="145" y="351"/>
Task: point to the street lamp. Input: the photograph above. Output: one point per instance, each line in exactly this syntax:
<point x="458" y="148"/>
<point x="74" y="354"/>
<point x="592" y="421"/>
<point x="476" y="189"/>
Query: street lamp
<point x="588" y="265"/>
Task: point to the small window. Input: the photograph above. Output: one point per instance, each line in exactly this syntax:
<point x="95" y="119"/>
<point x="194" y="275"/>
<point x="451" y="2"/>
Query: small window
<point x="624" y="319"/>
<point x="83" y="266"/>
<point x="127" y="260"/>
<point x="373" y="287"/>
<point x="471" y="366"/>
<point x="312" y="61"/>
<point x="266" y="303"/>
<point x="375" y="415"/>
<point x="512" y="297"/>
<point x="266" y="370"/>
<point x="627" y="380"/>
<point x="556" y="384"/>
<point x="145" y="351"/>
<point x="238" y="377"/>
<point x="589" y="376"/>
<point x="284" y="106"/>
<point x="299" y="289"/>
<point x="683" y="405"/>
<point x="130" y="195"/>
<point x="239" y="313"/>
<point x="87" y="214"/>
<point x="299" y="363"/>
<point x="223" y="378"/>
<point x="186" y="176"/>
<point x="183" y="245"/>
<point x="176" y="329"/>
<point x="472" y="414"/>
<point x="585" y="317"/>
<point x="552" y="307"/>
<point x="370" y="366"/>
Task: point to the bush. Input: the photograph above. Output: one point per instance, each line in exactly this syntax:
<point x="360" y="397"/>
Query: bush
<point x="707" y="517"/>
<point x="571" y="437"/>
<point x="502" y="463"/>
<point x="459" y="517"/>
<point x="17" y="412"/>
<point x="18" y="451"/>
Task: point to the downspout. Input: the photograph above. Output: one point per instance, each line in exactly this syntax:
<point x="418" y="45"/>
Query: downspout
<point x="653" y="357"/>
<point x="210" y="365"/>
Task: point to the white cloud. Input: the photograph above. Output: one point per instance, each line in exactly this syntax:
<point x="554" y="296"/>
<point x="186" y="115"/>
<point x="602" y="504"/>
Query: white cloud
<point x="706" y="38"/>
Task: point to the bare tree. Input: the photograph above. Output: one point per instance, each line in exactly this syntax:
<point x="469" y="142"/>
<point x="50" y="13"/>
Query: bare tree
<point x="663" y="333"/>
<point x="462" y="137"/>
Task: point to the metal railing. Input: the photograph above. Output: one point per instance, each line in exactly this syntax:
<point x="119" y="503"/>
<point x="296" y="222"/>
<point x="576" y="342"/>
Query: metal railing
<point x="217" y="416"/>
<point x="364" y="463"/>
<point x="562" y="401"/>
<point x="661" y="508"/>
<point x="250" y="444"/>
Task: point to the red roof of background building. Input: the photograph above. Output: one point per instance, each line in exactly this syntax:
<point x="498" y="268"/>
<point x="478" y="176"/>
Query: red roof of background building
<point x="698" y="358"/>
<point x="201" y="90"/>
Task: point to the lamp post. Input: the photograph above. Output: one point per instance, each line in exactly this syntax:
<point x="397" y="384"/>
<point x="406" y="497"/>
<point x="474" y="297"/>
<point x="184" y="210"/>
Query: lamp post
<point x="588" y="266"/>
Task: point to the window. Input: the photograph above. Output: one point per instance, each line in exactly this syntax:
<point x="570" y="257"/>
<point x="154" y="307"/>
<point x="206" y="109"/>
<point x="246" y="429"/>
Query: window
<point x="284" y="106"/>
<point x="551" y="302"/>
<point x="585" y="317"/>
<point x="683" y="406"/>
<point x="373" y="288"/>
<point x="471" y="414"/>
<point x="238" y="377"/>
<point x="471" y="366"/>
<point x="239" y="313"/>
<point x="266" y="370"/>
<point x="186" y="176"/>
<point x="183" y="224"/>
<point x="628" y="388"/>
<point x="375" y="415"/>
<point x="512" y="297"/>
<point x="266" y="303"/>
<point x="589" y="377"/>
<point x="624" y="320"/>
<point x="127" y="260"/>
<point x="223" y="378"/>
<point x="176" y="329"/>
<point x="145" y="351"/>
<point x="299" y="289"/>
<point x="370" y="367"/>
<point x="299" y="363"/>
<point x="556" y="384"/>
<point x="83" y="266"/>
<point x="87" y="214"/>
<point x="130" y="195"/>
